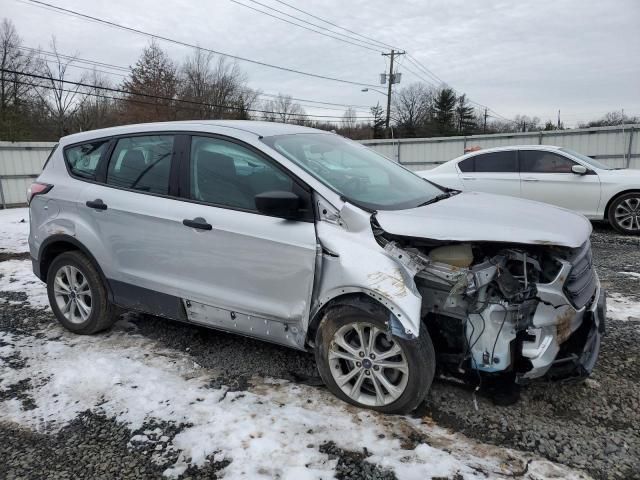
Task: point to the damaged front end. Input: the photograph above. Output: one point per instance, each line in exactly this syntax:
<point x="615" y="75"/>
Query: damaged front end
<point x="520" y="311"/>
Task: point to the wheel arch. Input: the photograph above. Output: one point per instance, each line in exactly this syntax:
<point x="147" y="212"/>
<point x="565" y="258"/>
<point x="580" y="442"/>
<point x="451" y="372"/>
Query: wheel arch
<point x="615" y="197"/>
<point x="364" y="300"/>
<point x="58" y="244"/>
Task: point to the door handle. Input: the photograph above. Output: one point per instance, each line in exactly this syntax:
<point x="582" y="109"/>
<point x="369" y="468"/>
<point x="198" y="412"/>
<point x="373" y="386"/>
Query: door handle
<point x="468" y="178"/>
<point x="97" y="204"/>
<point x="197" y="222"/>
<point x="530" y="180"/>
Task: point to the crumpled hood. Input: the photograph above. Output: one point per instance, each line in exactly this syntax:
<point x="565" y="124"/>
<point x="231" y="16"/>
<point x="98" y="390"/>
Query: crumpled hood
<point x="474" y="216"/>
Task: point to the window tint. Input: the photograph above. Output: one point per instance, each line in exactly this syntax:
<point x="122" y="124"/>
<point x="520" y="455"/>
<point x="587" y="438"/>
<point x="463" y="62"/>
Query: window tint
<point x="142" y="163"/>
<point x="467" y="165"/>
<point x="536" y="161"/>
<point x="496" y="162"/>
<point x="83" y="159"/>
<point x="225" y="173"/>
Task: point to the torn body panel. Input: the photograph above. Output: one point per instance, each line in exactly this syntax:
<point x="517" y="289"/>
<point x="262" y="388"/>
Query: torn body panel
<point x="353" y="262"/>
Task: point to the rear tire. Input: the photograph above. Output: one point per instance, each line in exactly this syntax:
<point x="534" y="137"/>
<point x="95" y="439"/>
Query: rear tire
<point x="388" y="374"/>
<point x="624" y="213"/>
<point x="77" y="294"/>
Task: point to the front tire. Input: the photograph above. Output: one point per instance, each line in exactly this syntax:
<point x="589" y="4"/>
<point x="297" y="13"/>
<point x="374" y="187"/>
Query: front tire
<point x="624" y="213"/>
<point x="77" y="294"/>
<point x="364" y="365"/>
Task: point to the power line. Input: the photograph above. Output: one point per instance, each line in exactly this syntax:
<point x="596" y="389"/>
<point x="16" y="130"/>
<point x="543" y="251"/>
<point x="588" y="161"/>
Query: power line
<point x="301" y="26"/>
<point x="411" y="58"/>
<point x="385" y="45"/>
<point x="84" y="16"/>
<point x="127" y="69"/>
<point x="158" y="97"/>
<point x="87" y="17"/>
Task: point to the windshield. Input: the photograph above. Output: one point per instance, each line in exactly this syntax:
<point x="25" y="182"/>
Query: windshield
<point x="589" y="160"/>
<point x="359" y="174"/>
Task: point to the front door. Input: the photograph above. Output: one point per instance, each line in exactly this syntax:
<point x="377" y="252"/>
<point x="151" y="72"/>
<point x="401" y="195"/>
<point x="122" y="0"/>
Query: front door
<point x="547" y="177"/>
<point x="237" y="264"/>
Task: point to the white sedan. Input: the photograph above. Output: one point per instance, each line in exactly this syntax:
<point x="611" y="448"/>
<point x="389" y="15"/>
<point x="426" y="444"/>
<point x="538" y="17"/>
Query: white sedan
<point x="549" y="174"/>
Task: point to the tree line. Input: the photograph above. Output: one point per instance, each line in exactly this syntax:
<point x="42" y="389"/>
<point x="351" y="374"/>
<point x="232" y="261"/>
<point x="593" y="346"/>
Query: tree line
<point x="43" y="97"/>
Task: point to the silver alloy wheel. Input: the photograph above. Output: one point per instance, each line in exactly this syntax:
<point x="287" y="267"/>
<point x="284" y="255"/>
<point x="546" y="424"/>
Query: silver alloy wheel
<point x="627" y="214"/>
<point x="368" y="365"/>
<point x="72" y="294"/>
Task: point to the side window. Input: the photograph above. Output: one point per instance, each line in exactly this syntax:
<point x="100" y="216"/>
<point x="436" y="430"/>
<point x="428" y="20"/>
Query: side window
<point x="467" y="165"/>
<point x="142" y="163"/>
<point x="538" y="161"/>
<point x="225" y="173"/>
<point x="83" y="159"/>
<point x="497" y="162"/>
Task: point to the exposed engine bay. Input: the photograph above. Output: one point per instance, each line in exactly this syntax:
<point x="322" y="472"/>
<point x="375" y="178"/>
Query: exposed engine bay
<point x="495" y="309"/>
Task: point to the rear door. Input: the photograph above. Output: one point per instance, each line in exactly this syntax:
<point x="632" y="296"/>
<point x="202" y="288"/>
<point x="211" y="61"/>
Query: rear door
<point x="491" y="172"/>
<point x="547" y="177"/>
<point x="133" y="222"/>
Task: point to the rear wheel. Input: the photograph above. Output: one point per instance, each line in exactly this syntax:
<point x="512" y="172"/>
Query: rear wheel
<point x="624" y="213"/>
<point x="363" y="364"/>
<point x="77" y="294"/>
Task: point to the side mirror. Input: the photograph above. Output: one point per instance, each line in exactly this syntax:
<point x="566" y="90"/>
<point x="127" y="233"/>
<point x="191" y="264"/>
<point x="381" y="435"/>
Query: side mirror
<point x="279" y="204"/>
<point x="579" y="169"/>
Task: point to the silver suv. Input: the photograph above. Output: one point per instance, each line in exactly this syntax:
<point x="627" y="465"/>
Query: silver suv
<point x="303" y="238"/>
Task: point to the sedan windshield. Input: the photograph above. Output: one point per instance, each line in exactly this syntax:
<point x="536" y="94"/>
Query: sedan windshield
<point x="359" y="174"/>
<point x="589" y="160"/>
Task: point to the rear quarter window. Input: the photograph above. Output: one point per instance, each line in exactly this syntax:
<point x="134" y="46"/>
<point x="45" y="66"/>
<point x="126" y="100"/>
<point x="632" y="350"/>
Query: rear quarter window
<point x="83" y="159"/>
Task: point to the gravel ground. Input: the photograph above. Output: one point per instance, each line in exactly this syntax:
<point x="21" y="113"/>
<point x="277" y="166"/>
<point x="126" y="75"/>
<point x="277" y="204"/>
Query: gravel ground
<point x="593" y="426"/>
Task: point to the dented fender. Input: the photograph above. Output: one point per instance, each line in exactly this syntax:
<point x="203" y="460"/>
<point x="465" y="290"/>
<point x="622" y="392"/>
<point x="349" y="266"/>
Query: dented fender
<point x="352" y="261"/>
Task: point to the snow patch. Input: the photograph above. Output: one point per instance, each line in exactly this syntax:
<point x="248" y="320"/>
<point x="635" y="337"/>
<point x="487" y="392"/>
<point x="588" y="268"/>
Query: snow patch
<point x="15" y="230"/>
<point x="272" y="430"/>
<point x="620" y="307"/>
<point x="18" y="276"/>
<point x="635" y="275"/>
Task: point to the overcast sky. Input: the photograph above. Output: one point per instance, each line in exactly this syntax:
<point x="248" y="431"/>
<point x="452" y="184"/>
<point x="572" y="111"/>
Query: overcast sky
<point x="518" y="57"/>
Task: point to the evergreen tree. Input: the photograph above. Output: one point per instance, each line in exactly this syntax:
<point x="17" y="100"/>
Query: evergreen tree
<point x="377" y="113"/>
<point x="445" y="103"/>
<point x="154" y="75"/>
<point x="465" y="115"/>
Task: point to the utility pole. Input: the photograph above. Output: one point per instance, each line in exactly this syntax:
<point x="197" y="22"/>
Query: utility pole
<point x="484" y="129"/>
<point x="390" y="81"/>
<point x="559" y="123"/>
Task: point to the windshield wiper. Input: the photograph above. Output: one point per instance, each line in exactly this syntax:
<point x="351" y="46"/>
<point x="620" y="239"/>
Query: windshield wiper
<point x="437" y="198"/>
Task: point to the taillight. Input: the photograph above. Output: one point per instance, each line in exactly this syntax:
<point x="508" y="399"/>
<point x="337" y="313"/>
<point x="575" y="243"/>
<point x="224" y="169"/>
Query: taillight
<point x="37" y="188"/>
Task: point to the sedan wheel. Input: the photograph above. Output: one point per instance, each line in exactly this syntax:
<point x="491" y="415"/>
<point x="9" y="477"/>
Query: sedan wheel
<point x="368" y="365"/>
<point x="624" y="213"/>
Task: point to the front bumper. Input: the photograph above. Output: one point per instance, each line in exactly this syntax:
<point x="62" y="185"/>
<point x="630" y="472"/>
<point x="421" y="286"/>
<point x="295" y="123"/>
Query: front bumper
<point x="565" y="341"/>
<point x="578" y="355"/>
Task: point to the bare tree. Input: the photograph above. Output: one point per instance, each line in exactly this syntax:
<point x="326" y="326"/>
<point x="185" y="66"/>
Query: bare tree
<point x="59" y="98"/>
<point x="16" y="87"/>
<point x="96" y="109"/>
<point x="283" y="109"/>
<point x="349" y="119"/>
<point x="412" y="107"/>
<point x="611" y="119"/>
<point x="220" y="88"/>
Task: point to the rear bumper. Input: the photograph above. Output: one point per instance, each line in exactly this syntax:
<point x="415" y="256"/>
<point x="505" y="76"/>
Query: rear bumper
<point x="35" y="265"/>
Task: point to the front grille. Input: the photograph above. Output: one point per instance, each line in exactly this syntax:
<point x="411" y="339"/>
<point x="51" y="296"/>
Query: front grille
<point x="581" y="285"/>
